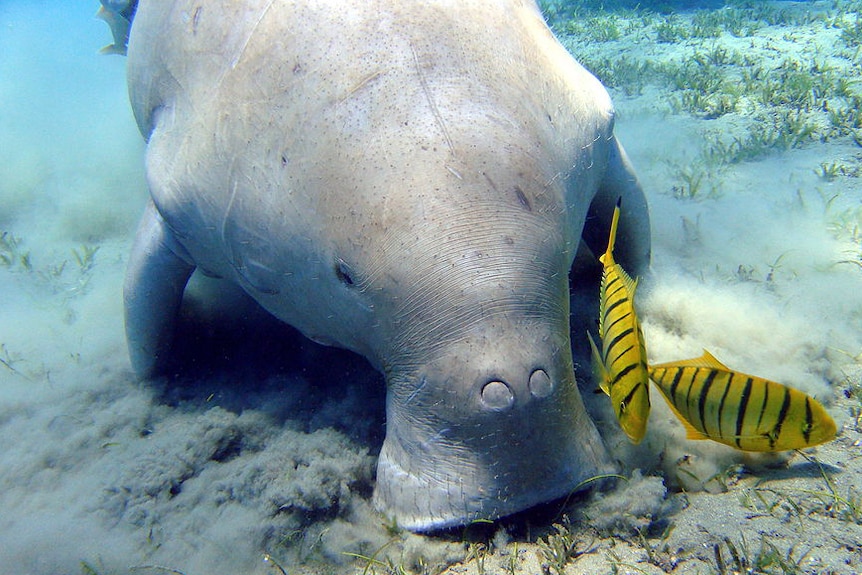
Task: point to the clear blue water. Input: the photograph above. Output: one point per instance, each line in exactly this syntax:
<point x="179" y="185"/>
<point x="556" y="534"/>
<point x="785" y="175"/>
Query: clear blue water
<point x="261" y="442"/>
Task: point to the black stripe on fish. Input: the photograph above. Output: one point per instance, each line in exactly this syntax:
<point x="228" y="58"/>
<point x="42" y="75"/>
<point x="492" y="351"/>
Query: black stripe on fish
<point x="612" y="295"/>
<point x="618" y="320"/>
<point x="743" y="405"/>
<point x="622" y="353"/>
<point x="617" y="297"/>
<point x="628" y="398"/>
<point x="809" y="421"/>
<point x="674" y="384"/>
<point x="763" y="407"/>
<point x="623" y="372"/>
<point x="727" y="386"/>
<point x="688" y="405"/>
<point x="611" y="307"/>
<point x="782" y="415"/>
<point x="616" y="340"/>
<point x="611" y="281"/>
<point x="701" y="401"/>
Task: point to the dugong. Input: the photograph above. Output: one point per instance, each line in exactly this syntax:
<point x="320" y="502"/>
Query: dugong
<point x="407" y="180"/>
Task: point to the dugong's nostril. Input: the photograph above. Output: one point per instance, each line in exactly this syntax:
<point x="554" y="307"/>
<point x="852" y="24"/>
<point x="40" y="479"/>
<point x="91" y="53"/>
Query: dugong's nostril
<point x="497" y="396"/>
<point x="540" y="383"/>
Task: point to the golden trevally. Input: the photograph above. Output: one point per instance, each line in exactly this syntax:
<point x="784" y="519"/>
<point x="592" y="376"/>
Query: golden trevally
<point x="621" y="366"/>
<point x="740" y="410"/>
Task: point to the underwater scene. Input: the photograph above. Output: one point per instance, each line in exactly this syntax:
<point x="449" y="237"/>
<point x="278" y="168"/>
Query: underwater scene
<point x="731" y="423"/>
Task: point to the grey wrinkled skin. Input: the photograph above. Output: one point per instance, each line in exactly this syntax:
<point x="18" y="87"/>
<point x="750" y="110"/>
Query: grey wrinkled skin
<point x="408" y="180"/>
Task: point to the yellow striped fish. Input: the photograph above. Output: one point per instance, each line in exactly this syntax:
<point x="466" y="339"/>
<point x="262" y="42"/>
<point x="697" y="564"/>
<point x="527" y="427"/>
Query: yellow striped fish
<point x="621" y="366"/>
<point x="740" y="410"/>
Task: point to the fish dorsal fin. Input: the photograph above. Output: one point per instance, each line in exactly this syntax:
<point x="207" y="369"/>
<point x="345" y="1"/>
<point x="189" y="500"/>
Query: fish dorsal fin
<point x="630" y="287"/>
<point x="690" y="431"/>
<point x="707" y="360"/>
<point x="599" y="370"/>
<point x="608" y="257"/>
<point x="631" y="284"/>
<point x="711" y="361"/>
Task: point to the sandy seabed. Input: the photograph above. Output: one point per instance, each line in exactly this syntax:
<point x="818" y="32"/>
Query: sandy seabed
<point x="262" y="445"/>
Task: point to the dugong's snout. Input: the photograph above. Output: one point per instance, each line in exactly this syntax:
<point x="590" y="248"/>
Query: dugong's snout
<point x="492" y="427"/>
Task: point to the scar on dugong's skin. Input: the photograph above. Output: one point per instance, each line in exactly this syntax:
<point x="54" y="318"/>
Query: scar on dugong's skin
<point x="408" y="180"/>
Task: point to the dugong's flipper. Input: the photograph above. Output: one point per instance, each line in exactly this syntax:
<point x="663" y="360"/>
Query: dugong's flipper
<point x="157" y="274"/>
<point x="633" y="245"/>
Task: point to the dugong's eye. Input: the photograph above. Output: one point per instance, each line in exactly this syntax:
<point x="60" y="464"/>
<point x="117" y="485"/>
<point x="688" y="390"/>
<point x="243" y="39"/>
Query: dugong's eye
<point x="343" y="272"/>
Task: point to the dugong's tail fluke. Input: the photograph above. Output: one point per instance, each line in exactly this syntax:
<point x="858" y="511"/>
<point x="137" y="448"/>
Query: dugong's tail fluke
<point x="118" y="15"/>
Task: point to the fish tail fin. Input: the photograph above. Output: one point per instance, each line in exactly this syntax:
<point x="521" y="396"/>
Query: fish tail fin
<point x="607" y="257"/>
<point x="112" y="49"/>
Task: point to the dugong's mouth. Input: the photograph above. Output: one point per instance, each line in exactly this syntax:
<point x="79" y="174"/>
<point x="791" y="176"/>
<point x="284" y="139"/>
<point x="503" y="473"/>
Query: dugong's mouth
<point x="447" y="492"/>
<point x="455" y="451"/>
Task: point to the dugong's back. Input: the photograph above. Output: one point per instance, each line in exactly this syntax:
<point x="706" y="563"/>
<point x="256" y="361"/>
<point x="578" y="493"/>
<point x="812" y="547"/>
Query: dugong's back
<point x="330" y="49"/>
<point x="299" y="120"/>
